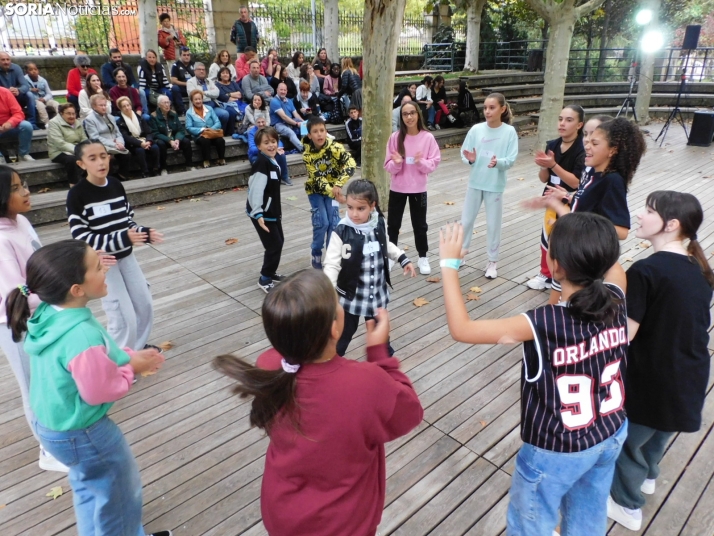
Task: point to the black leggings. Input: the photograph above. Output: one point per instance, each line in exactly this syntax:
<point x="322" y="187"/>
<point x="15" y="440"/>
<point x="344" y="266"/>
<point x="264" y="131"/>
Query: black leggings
<point x="417" y="211"/>
<point x="273" y="244"/>
<point x="205" y="145"/>
<point x="184" y="147"/>
<point x="348" y="331"/>
<point x="74" y="172"/>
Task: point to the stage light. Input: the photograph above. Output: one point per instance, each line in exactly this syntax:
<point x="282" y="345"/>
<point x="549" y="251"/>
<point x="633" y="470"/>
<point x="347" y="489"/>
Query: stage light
<point x="643" y="17"/>
<point x="652" y="41"/>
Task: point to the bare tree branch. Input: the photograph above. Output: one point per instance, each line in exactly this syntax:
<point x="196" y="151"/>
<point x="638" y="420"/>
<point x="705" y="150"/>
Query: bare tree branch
<point x="588" y="7"/>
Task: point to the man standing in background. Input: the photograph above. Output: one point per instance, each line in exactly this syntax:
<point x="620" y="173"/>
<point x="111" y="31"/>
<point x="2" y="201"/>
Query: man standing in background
<point x="245" y="32"/>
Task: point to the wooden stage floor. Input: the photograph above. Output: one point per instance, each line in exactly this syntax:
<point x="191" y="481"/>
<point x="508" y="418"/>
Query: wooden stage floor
<point x="201" y="463"/>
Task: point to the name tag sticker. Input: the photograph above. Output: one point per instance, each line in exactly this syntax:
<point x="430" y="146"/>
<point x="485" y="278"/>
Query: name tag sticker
<point x="370" y="247"/>
<point x="487" y="155"/>
<point x="102" y="210"/>
<point x="273" y="175"/>
<point x="409" y="160"/>
<point x="554" y="179"/>
<point x="335" y="203"/>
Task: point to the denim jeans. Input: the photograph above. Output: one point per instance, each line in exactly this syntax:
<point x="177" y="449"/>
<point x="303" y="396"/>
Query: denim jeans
<point x="577" y="483"/>
<point x="177" y="95"/>
<point x="28" y="100"/>
<point x="104" y="477"/>
<point x="23" y="132"/>
<point x="222" y="115"/>
<point x="288" y="132"/>
<point x="325" y="218"/>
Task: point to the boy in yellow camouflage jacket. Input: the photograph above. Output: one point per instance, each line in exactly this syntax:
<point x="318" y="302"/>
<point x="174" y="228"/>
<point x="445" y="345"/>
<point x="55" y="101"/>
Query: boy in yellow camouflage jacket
<point x="329" y="167"/>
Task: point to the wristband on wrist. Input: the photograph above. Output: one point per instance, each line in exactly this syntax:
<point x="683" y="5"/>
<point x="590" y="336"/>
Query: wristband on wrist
<point x="450" y="263"/>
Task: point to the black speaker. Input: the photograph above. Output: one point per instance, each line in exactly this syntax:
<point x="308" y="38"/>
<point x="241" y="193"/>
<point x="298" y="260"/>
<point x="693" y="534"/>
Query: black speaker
<point x="702" y="132"/>
<point x="691" y="37"/>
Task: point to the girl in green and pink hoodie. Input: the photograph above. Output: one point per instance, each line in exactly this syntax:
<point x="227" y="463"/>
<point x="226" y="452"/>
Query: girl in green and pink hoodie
<point x="77" y="373"/>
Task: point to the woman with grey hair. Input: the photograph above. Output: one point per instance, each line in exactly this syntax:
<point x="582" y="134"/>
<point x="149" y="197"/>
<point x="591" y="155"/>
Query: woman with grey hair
<point x="76" y="78"/>
<point x="169" y="132"/>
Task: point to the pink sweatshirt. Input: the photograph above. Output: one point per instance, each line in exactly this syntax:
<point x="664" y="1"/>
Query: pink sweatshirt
<point x="410" y="177"/>
<point x="18" y="240"/>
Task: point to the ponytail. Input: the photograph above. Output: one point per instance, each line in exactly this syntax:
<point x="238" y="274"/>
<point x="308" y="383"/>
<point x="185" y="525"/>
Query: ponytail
<point x="586" y="247"/>
<point x="507" y="114"/>
<point x="17" y="310"/>
<point x="297" y="318"/>
<point x="695" y="250"/>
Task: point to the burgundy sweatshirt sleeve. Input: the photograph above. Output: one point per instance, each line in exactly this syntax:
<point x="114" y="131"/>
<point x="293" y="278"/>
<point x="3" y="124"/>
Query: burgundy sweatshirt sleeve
<point x="407" y="412"/>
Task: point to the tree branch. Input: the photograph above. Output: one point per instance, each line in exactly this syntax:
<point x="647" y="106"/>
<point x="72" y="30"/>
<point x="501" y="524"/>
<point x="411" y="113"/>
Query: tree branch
<point x="540" y="7"/>
<point x="588" y="7"/>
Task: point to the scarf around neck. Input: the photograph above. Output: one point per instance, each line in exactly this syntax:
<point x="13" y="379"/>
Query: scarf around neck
<point x="132" y="124"/>
<point x="364" y="228"/>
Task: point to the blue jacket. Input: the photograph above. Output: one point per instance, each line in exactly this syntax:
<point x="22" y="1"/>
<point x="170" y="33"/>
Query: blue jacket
<point x="42" y="85"/>
<point x="194" y="123"/>
<point x="253" y="150"/>
<point x="14" y="78"/>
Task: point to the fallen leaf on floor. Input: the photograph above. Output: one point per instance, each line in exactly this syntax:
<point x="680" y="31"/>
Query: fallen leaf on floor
<point x="239" y="188"/>
<point x="221" y="192"/>
<point x="209" y="193"/>
<point x="521" y="178"/>
<point x="420" y="301"/>
<point x="483" y="423"/>
<point x="43" y="190"/>
<point x="433" y="279"/>
<point x="195" y="200"/>
<point x="406" y="248"/>
<point x="628" y="259"/>
<point x="449" y="203"/>
<point x="160" y="208"/>
<point x="166" y="345"/>
<point x="2" y="506"/>
<point x="148" y="373"/>
<point x="291" y="198"/>
<point x="645" y="245"/>
<point x="472" y="297"/>
<point x="178" y="200"/>
<point x="231" y="241"/>
<point x="55" y="492"/>
<point x="475" y="289"/>
<point x="451" y="146"/>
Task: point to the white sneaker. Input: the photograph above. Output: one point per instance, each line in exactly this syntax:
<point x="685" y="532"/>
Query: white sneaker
<point x="648" y="486"/>
<point x="50" y="463"/>
<point x="26" y="158"/>
<point x="630" y="519"/>
<point x="540" y="282"/>
<point x="424" y="266"/>
<point x="164" y="172"/>
<point x="491" y="272"/>
<point x="391" y="264"/>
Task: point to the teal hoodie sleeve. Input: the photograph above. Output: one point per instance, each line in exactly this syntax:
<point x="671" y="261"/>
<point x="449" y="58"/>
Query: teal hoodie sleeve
<point x="511" y="153"/>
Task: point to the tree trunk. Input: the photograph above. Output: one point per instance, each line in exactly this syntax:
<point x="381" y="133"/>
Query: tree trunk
<point x="148" y="24"/>
<point x="473" y="33"/>
<point x="380" y="35"/>
<point x="332" y="30"/>
<point x="604" y="41"/>
<point x="647" y="64"/>
<point x="562" y="25"/>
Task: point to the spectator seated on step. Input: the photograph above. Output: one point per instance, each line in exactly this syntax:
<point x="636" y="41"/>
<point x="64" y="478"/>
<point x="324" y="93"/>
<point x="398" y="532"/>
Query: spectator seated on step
<point x="210" y="97"/>
<point x="76" y="78"/>
<point x="243" y="63"/>
<point x="122" y="89"/>
<point x="108" y="74"/>
<point x="169" y="133"/>
<point x="181" y="73"/>
<point x="101" y="125"/>
<point x="256" y="83"/>
<point x="285" y="118"/>
<point x="64" y="132"/>
<point x="45" y="105"/>
<point x="13" y="79"/>
<point x="13" y="125"/>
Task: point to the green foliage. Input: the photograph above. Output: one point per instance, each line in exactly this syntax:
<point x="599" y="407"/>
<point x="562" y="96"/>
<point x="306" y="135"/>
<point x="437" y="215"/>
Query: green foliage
<point x="92" y="33"/>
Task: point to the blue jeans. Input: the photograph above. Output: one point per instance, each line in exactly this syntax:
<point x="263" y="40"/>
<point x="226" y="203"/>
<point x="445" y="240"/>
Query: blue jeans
<point x="177" y="95"/>
<point x="325" y="218"/>
<point x="28" y="100"/>
<point x="289" y="132"/>
<point x="222" y="115"/>
<point x="104" y="477"/>
<point x="577" y="483"/>
<point x="23" y="132"/>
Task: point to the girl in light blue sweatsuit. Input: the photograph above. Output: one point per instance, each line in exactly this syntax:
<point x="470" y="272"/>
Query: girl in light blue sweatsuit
<point x="490" y="149"/>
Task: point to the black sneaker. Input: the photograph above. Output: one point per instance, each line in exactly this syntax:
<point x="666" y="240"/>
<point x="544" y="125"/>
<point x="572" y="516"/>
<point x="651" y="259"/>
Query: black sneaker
<point x="277" y="278"/>
<point x="161" y="533"/>
<point x="266" y="285"/>
<point x="317" y="262"/>
<point x="287" y="182"/>
<point x="153" y="347"/>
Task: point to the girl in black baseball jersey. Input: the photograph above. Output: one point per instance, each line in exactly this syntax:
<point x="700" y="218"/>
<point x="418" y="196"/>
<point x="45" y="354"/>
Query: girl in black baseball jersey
<point x="573" y="421"/>
<point x="668" y="297"/>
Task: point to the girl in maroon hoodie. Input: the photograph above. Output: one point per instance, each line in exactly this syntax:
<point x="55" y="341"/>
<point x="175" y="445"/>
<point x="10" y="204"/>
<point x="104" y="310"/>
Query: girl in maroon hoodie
<point x="327" y="417"/>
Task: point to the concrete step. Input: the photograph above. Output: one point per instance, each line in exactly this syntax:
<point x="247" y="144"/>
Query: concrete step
<point x="50" y="206"/>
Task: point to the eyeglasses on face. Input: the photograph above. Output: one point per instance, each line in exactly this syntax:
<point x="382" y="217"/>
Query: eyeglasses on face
<point x="408" y="114"/>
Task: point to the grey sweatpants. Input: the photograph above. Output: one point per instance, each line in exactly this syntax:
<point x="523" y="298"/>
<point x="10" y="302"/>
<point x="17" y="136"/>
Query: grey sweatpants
<point x="494" y="216"/>
<point x="130" y="312"/>
<point x="20" y="365"/>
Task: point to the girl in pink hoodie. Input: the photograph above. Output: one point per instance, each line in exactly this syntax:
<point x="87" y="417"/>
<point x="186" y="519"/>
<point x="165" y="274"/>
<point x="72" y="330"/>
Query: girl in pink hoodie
<point x="412" y="153"/>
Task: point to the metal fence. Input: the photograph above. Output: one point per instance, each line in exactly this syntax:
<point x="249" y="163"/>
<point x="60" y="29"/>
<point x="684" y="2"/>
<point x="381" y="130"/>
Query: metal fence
<point x="91" y="26"/>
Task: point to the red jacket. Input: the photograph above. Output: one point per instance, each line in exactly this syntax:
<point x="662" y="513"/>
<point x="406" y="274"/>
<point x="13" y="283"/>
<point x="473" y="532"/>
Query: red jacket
<point x="10" y="110"/>
<point x="74" y="81"/>
<point x="166" y="41"/>
<point x="329" y="478"/>
<point x="243" y="67"/>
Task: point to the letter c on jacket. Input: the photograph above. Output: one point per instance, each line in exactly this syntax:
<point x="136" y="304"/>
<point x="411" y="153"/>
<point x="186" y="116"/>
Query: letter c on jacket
<point x="346" y="251"/>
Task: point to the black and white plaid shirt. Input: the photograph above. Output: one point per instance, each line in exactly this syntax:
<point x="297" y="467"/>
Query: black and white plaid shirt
<point x="372" y="292"/>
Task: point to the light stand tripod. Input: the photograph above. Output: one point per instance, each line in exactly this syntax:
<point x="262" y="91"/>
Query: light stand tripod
<point x="629" y="103"/>
<point x="676" y="113"/>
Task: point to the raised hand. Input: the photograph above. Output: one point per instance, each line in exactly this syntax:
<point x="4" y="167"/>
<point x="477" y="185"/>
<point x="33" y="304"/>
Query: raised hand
<point x="137" y="238"/>
<point x="470" y="155"/>
<point x="493" y="162"/>
<point x="397" y="158"/>
<point x="451" y="240"/>
<point x="378" y="332"/>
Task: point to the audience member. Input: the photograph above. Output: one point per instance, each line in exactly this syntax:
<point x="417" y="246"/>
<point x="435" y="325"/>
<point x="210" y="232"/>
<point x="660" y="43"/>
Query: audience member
<point x="243" y="63"/>
<point x="13" y="125"/>
<point x="285" y="118"/>
<point x="307" y="73"/>
<point x="409" y="91"/>
<point x="269" y="62"/>
<point x="321" y="64"/>
<point x="210" y="97"/>
<point x="101" y="125"/>
<point x="45" y="105"/>
<point x="181" y="73"/>
<point x="440" y="102"/>
<point x="169" y="39"/>
<point x="333" y="82"/>
<point x="305" y="102"/>
<point x="353" y="126"/>
<point x="397" y="112"/>
<point x="169" y="132"/>
<point x="280" y="76"/>
<point x="426" y="101"/>
<point x="293" y="68"/>
<point x="468" y="113"/>
<point x="256" y="109"/>
<point x="76" y="79"/>
<point x="204" y="127"/>
<point x="12" y="79"/>
<point x="245" y="32"/>
<point x="64" y="132"/>
<point x="256" y="84"/>
<point x="351" y="83"/>
<point x="109" y="68"/>
<point x="93" y="87"/>
<point x="138" y="138"/>
<point x="230" y="98"/>
<point x="122" y="89"/>
<point x="222" y="59"/>
<point x="153" y="80"/>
